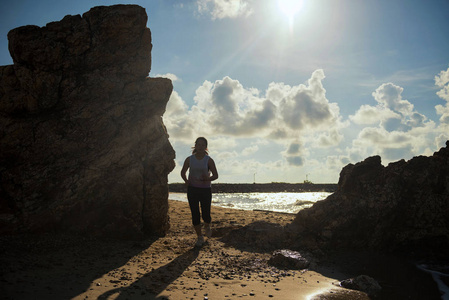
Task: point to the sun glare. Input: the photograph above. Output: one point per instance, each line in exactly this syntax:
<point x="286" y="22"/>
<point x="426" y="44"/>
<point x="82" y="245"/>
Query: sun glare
<point x="289" y="8"/>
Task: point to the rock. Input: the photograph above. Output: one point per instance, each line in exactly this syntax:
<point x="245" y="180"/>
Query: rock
<point x="362" y="283"/>
<point x="401" y="207"/>
<point x="288" y="259"/>
<point x="83" y="147"/>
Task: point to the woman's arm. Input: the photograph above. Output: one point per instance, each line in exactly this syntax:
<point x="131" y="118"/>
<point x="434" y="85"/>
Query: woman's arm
<point x="213" y="169"/>
<point x="184" y="170"/>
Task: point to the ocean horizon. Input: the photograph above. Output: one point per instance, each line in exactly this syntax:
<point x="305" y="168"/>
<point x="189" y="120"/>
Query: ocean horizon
<point x="288" y="202"/>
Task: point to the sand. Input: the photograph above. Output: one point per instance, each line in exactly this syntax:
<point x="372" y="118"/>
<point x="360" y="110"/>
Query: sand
<point x="170" y="267"/>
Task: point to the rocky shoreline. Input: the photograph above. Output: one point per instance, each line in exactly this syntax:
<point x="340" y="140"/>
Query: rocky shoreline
<point x="274" y="187"/>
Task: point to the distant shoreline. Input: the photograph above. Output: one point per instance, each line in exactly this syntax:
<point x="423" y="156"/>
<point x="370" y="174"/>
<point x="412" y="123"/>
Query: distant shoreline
<point x="275" y="187"/>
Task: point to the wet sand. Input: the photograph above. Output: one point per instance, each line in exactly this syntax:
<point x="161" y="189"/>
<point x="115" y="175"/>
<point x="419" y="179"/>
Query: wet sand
<point x="170" y="267"/>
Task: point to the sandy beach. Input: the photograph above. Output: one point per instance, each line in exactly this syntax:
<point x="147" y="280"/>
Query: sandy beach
<point x="170" y="267"/>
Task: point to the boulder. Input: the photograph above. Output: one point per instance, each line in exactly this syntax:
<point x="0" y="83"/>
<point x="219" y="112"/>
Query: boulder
<point x="362" y="283"/>
<point x="288" y="259"/>
<point x="83" y="147"/>
<point x="401" y="207"/>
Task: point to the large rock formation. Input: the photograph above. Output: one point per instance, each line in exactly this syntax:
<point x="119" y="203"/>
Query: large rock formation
<point x="404" y="206"/>
<point x="82" y="143"/>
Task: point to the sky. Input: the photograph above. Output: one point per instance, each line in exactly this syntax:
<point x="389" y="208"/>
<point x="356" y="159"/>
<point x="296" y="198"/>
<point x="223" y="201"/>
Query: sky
<point x="287" y="91"/>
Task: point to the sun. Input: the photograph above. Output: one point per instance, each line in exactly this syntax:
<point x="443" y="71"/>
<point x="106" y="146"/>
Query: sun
<point x="290" y="7"/>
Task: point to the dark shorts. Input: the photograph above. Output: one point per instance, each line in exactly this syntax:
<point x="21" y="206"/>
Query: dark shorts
<point x="199" y="197"/>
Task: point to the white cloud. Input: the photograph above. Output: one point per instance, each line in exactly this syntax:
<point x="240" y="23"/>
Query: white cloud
<point x="295" y="160"/>
<point x="444" y="112"/>
<point x="382" y="138"/>
<point x="175" y="106"/>
<point x="289" y="131"/>
<point x="367" y="115"/>
<point x="291" y="118"/>
<point x="306" y="106"/>
<point x="176" y="118"/>
<point x="230" y="109"/>
<point x="222" y="143"/>
<point x="328" y="138"/>
<point x="389" y="95"/>
<point x="442" y="81"/>
<point x="284" y="113"/>
<point x="395" y="129"/>
<point x="336" y="163"/>
<point x="294" y="153"/>
<point x="220" y="9"/>
<point x="392" y="113"/>
<point x="250" y="150"/>
<point x="170" y="76"/>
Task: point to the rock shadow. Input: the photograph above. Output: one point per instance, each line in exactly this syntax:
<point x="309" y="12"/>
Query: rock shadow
<point x="59" y="266"/>
<point x="259" y="236"/>
<point x="399" y="277"/>
<point x="153" y="283"/>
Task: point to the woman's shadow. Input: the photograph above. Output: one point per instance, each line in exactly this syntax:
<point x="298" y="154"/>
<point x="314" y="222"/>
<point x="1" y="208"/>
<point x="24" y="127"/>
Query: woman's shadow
<point x="154" y="282"/>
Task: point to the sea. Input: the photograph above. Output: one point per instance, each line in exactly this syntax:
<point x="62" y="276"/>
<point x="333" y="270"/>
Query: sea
<point x="277" y="202"/>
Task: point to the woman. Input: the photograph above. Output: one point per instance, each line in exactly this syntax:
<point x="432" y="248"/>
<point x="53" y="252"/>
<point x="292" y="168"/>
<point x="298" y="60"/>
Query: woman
<point x="202" y="171"/>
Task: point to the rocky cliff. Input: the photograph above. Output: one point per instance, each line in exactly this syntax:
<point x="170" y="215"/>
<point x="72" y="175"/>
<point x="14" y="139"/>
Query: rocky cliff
<point x="82" y="144"/>
<point x="401" y="207"/>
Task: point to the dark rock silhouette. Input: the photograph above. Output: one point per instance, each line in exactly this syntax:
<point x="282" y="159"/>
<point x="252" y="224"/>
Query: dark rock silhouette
<point x="288" y="259"/>
<point x="403" y="207"/>
<point x="82" y="144"/>
<point x="362" y="283"/>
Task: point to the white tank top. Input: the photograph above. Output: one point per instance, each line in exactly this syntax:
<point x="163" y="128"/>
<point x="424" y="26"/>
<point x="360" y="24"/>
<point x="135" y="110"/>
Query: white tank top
<point x="199" y="169"/>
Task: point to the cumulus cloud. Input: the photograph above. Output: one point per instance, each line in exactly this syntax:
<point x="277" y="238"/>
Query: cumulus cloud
<point x="392" y="113"/>
<point x="291" y="126"/>
<point x="367" y="115"/>
<point x="442" y="81"/>
<point x="228" y="108"/>
<point x="220" y="9"/>
<point x="288" y="111"/>
<point x="286" y="115"/>
<point x="306" y="106"/>
<point x="394" y="129"/>
<point x="378" y="141"/>
<point x="389" y="95"/>
<point x="328" y="138"/>
<point x="294" y="154"/>
<point x="170" y="76"/>
<point x="379" y="136"/>
<point x="176" y="117"/>
<point x="175" y="106"/>
<point x="250" y="150"/>
<point x="336" y="162"/>
<point x="294" y="148"/>
<point x="295" y="160"/>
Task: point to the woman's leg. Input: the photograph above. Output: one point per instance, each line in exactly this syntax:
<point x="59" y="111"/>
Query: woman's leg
<point x="194" y="201"/>
<point x="206" y="202"/>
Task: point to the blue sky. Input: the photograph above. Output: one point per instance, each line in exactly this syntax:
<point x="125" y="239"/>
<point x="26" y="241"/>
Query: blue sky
<point x="284" y="97"/>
